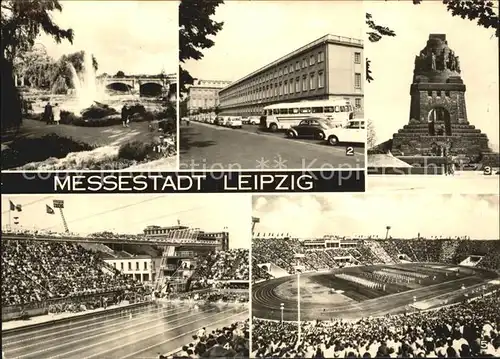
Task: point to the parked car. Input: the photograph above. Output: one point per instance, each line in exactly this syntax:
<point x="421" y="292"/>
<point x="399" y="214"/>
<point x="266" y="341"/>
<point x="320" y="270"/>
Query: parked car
<point x="311" y="127"/>
<point x="354" y="132"/>
<point x="254" y="120"/>
<point x="233" y="122"/>
<point x="219" y="121"/>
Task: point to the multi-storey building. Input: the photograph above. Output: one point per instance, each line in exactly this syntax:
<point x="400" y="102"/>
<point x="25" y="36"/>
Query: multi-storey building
<point x="204" y="94"/>
<point x="329" y="67"/>
<point x="141" y="267"/>
<point x="220" y="239"/>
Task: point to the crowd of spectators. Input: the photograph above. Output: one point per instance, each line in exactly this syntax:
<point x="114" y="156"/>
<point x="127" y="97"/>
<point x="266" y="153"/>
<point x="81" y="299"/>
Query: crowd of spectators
<point x="281" y="252"/>
<point x="469" y="329"/>
<point x="232" y="264"/>
<point x="176" y="237"/>
<point x="227" y="342"/>
<point x="36" y="271"/>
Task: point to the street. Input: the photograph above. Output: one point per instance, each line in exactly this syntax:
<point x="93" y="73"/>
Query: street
<point x="209" y="147"/>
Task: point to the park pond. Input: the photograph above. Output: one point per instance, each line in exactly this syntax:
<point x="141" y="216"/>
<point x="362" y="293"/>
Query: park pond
<point x="91" y="134"/>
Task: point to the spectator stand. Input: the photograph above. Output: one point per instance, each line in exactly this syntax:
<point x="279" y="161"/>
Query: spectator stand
<point x="231" y="341"/>
<point x="466" y="329"/>
<point x="40" y="275"/>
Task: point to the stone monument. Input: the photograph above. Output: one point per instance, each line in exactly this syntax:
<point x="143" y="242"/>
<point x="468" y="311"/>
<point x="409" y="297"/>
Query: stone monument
<point x="438" y="124"/>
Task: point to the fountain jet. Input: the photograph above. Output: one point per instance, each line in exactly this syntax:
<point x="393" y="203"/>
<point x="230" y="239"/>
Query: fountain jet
<point x="87" y="88"/>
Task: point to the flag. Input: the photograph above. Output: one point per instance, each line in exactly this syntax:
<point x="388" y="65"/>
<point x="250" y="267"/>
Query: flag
<point x="49" y="209"/>
<point x="19" y="208"/>
<point x="12" y="206"/>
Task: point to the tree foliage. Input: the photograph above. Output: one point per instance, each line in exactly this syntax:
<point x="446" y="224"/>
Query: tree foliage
<point x="371" y="137"/>
<point x="195" y="29"/>
<point x="41" y="71"/>
<point x="479" y="10"/>
<point x="23" y="21"/>
<point x="20" y="24"/>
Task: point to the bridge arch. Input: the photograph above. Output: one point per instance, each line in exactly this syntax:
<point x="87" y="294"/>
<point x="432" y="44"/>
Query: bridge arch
<point x="150" y="89"/>
<point x="119" y="86"/>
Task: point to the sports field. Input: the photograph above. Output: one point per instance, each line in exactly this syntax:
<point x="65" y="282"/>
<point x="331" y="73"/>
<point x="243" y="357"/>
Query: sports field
<point x="141" y="332"/>
<point x="325" y="296"/>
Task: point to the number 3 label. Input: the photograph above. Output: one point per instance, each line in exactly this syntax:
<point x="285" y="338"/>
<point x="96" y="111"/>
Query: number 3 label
<point x="487" y="171"/>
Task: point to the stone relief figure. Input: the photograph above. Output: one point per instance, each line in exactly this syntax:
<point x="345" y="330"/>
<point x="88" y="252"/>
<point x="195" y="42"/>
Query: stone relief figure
<point x="457" y="64"/>
<point x="433" y="61"/>
<point x="452" y="63"/>
<point x="446" y="58"/>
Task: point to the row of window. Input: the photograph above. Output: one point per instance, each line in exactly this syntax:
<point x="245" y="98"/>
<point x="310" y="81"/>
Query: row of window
<point x="285" y="70"/>
<point x="288" y="87"/>
<point x="203" y="91"/>
<point x="130" y="266"/>
<point x="202" y="103"/>
<point x="319" y="109"/>
<point x="288" y="69"/>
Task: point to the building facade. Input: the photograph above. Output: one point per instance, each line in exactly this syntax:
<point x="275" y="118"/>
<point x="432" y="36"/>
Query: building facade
<point x="220" y="239"/>
<point x="330" y="67"/>
<point x="204" y="94"/>
<point x="142" y="268"/>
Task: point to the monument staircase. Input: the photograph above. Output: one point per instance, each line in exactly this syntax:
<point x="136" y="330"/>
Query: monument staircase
<point x="464" y="141"/>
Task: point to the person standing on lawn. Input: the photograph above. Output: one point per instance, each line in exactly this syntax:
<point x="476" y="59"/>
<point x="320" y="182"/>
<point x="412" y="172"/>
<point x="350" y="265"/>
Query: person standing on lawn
<point x="125" y="115"/>
<point x="57" y="114"/>
<point x="48" y="114"/>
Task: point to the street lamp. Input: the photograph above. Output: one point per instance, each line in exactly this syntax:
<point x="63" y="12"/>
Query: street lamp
<point x="298" y="304"/>
<point x="282" y="306"/>
<point x="298" y="270"/>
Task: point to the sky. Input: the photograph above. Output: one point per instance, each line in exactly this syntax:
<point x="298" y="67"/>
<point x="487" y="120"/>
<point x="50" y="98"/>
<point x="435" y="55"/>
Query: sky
<point x="137" y="37"/>
<point x="131" y="213"/>
<point x="392" y="62"/>
<point x="256" y="33"/>
<point x="347" y="214"/>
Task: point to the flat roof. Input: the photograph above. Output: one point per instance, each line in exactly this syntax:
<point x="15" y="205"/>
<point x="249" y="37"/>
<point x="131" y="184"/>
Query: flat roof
<point x="328" y="38"/>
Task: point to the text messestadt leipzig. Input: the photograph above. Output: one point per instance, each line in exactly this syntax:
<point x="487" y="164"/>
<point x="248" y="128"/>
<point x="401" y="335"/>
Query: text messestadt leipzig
<point x="181" y="183"/>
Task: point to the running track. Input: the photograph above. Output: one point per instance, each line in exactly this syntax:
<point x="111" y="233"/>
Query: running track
<point x="266" y="303"/>
<point x="142" y="332"/>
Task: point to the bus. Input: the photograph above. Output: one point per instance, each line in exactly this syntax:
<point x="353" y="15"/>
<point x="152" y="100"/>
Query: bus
<point x="282" y="116"/>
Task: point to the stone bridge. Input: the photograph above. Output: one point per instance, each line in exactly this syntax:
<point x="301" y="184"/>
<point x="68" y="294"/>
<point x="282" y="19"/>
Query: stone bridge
<point x="154" y="85"/>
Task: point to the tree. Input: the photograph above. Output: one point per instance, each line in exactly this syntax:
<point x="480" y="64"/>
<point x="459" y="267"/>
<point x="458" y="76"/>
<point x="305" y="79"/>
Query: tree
<point x="35" y="66"/>
<point x="183" y="108"/>
<point x="120" y="74"/>
<point x="195" y="27"/>
<point x="62" y="76"/>
<point x="21" y="23"/>
<point x="371" y="137"/>
<point x="479" y="10"/>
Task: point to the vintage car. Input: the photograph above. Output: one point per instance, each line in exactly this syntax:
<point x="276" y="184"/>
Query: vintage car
<point x="353" y="132"/>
